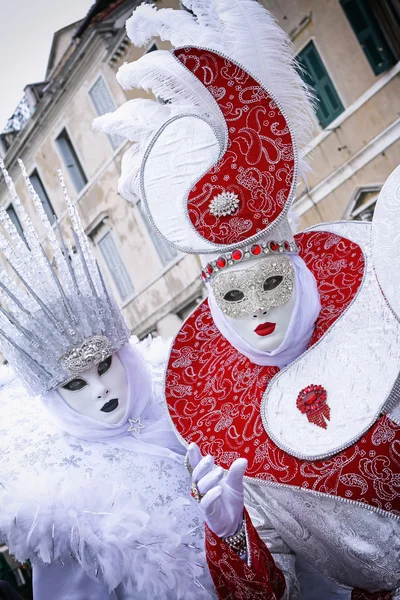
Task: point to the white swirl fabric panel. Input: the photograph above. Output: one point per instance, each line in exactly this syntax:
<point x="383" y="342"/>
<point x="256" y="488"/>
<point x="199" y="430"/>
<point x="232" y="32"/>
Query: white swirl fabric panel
<point x="356" y="361"/>
<point x="178" y="156"/>
<point x="386" y="240"/>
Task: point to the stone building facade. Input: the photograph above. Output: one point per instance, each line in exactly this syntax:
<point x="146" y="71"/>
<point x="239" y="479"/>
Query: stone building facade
<point x="349" y="51"/>
<point x="155" y="287"/>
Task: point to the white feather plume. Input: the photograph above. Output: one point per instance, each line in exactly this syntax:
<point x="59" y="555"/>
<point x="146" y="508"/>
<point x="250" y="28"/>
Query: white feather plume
<point x="160" y="73"/>
<point x="129" y="181"/>
<point x="245" y="31"/>
<point x="112" y="536"/>
<point x="134" y="120"/>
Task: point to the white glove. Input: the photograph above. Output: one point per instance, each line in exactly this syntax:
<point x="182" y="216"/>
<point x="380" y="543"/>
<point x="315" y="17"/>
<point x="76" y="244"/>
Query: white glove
<point x="222" y="503"/>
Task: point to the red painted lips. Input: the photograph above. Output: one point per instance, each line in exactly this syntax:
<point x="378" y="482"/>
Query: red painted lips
<point x="265" y="329"/>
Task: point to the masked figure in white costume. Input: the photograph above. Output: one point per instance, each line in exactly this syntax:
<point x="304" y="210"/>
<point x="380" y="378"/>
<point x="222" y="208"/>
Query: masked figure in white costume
<point x="289" y="370"/>
<point x="93" y="485"/>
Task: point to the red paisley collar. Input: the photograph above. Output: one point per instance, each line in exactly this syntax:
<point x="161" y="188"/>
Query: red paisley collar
<point x="214" y="393"/>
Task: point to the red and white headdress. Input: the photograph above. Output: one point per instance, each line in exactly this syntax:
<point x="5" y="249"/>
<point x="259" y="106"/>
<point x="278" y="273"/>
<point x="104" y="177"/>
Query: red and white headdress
<point x="217" y="166"/>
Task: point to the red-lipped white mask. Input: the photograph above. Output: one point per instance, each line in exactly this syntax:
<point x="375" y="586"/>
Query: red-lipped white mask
<point x="258" y="301"/>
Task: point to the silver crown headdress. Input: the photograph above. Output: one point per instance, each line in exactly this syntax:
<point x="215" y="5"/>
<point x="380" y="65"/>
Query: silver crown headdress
<point x="56" y="320"/>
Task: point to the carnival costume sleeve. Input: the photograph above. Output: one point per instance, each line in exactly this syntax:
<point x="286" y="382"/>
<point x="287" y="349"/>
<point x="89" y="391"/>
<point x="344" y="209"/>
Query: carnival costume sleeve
<point x="257" y="577"/>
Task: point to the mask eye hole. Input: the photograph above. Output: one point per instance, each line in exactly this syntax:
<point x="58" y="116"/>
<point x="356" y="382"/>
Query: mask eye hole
<point x="234" y="296"/>
<point x="104" y="366"/>
<point x="272" y="282"/>
<point x="75" y="385"/>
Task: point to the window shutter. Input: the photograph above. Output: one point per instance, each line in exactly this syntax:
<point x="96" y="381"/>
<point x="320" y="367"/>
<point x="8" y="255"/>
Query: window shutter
<point x="104" y="103"/>
<point x="71" y="160"/>
<point x="369" y="34"/>
<point x="115" y="266"/>
<point x="41" y="192"/>
<point x="316" y="76"/>
<point x="14" y="218"/>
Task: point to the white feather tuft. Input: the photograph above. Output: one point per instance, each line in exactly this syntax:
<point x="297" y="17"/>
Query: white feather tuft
<point x="129" y="181"/>
<point x="148" y="22"/>
<point x="245" y="31"/>
<point x="134" y="120"/>
<point x="112" y="536"/>
<point x="160" y="73"/>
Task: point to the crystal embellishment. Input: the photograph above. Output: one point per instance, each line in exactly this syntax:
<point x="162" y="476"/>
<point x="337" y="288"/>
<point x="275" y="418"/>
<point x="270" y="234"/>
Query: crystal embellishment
<point x="224" y="204"/>
<point x="311" y="401"/>
<point x="135" y="425"/>
<point x="249" y="253"/>
<point x="89" y="353"/>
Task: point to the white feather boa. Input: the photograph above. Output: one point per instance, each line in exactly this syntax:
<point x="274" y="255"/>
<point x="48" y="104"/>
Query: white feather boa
<point x="106" y="530"/>
<point x="125" y="518"/>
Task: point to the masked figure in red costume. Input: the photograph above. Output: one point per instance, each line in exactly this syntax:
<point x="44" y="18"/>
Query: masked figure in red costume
<point x="284" y="382"/>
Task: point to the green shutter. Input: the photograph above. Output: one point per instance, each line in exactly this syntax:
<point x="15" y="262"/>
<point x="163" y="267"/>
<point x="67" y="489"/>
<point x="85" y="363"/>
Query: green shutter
<point x="369" y="34"/>
<point x="316" y="76"/>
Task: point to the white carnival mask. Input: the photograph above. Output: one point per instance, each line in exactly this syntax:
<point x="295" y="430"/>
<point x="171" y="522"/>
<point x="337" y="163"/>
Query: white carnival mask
<point x="100" y="392"/>
<point x="258" y="301"/>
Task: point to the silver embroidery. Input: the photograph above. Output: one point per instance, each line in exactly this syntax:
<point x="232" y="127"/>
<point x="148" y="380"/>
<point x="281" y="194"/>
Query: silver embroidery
<point x="248" y="286"/>
<point x="89" y="353"/>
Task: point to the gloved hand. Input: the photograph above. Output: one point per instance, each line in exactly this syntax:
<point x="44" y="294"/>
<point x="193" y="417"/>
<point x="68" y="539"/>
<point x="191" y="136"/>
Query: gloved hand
<point x="223" y="503"/>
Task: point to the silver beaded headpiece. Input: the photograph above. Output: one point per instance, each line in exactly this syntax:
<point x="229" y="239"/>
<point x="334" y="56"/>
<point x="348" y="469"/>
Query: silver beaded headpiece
<point x="57" y="317"/>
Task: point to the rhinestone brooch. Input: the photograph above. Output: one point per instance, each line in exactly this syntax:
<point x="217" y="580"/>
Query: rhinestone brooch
<point x="312" y="402"/>
<point x="239" y="255"/>
<point x="224" y="204"/>
<point x="92" y="351"/>
<point x="135" y="425"/>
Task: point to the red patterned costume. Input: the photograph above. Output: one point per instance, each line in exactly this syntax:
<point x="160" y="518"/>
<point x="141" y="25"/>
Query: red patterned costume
<point x="218" y="171"/>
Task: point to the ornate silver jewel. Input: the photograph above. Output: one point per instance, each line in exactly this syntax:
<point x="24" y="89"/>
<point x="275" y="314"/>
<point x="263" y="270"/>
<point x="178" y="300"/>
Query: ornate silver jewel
<point x="241" y="293"/>
<point x="224" y="204"/>
<point x="195" y="492"/>
<point x="135" y="425"/>
<point x="89" y="353"/>
<point x="238" y="541"/>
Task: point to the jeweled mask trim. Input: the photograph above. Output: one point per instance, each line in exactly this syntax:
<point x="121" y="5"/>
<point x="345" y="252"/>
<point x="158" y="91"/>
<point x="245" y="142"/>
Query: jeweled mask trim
<point x="249" y="253"/>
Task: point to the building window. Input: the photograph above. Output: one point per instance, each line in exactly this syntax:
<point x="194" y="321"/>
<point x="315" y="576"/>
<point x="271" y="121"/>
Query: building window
<point x="115" y="266"/>
<point x="103" y="104"/>
<point x="313" y="71"/>
<point x="41" y="192"/>
<point x="71" y="161"/>
<point x="14" y="218"/>
<point x="363" y="204"/>
<point x="376" y="26"/>
<point x="152" y="48"/>
<point x="166" y="252"/>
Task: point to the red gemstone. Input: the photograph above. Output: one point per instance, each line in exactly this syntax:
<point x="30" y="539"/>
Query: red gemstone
<point x="209" y="268"/>
<point x="274" y="246"/>
<point x="237" y="254"/>
<point x="310" y="398"/>
<point x="221" y="262"/>
<point x="287" y="246"/>
<point x="203" y="275"/>
<point x="256" y="250"/>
